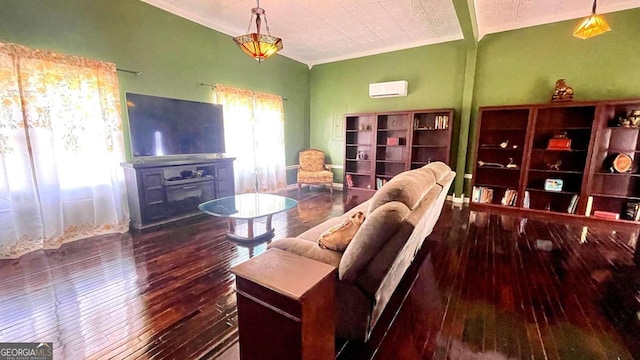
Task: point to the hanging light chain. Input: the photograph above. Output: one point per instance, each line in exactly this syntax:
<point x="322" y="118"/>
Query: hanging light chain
<point x="250" y="22"/>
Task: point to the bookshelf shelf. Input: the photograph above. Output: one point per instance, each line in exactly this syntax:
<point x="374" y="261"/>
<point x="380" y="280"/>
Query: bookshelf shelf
<point x="556" y="171"/>
<point x="637" y="198"/>
<point x="617" y="174"/>
<point x="561" y="150"/>
<point x="497" y="168"/>
<point x="614" y="150"/>
<point x="553" y="192"/>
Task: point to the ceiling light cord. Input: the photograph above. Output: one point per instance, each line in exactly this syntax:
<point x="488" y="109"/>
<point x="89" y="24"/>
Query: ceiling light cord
<point x="593" y="10"/>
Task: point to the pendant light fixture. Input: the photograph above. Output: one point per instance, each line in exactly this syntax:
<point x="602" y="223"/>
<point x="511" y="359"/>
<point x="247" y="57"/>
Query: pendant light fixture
<point x="592" y="26"/>
<point x="258" y="46"/>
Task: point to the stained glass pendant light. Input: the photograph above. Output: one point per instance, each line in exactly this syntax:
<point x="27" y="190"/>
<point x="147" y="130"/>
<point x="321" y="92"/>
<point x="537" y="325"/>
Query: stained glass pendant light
<point x="258" y="46"/>
<point x="592" y="26"/>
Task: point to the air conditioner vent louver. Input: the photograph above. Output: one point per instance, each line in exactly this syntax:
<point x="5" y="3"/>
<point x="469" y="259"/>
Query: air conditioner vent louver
<point x="388" y="89"/>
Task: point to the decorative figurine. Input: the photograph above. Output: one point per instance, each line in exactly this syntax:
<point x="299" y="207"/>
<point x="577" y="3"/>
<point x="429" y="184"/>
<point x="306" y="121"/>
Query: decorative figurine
<point x="486" y="164"/>
<point x="634" y="118"/>
<point x="555" y="166"/>
<point x="511" y="165"/>
<point x="562" y="92"/>
<point x="624" y="122"/>
<point x="504" y="144"/>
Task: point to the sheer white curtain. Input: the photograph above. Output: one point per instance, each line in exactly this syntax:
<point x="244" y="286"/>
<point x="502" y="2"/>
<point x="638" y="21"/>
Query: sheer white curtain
<point x="254" y="135"/>
<point x="60" y="148"/>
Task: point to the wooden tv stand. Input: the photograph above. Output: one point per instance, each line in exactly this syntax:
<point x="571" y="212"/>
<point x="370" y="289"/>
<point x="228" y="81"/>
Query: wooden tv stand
<point x="158" y="194"/>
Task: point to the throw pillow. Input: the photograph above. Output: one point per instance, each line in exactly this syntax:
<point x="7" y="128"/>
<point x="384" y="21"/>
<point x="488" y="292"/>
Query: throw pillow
<point x="338" y="237"/>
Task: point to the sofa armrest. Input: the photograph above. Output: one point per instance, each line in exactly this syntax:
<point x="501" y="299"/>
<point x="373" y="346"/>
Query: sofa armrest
<point x="308" y="249"/>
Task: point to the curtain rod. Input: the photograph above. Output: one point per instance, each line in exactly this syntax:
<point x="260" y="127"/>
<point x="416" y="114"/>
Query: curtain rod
<point x="213" y="86"/>
<point x="134" y="72"/>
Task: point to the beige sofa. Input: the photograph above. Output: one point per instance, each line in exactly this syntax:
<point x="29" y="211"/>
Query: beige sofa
<point x="398" y="219"/>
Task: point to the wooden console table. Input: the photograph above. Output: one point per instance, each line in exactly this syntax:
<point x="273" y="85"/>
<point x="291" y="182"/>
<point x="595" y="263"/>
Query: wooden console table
<point x="286" y="307"/>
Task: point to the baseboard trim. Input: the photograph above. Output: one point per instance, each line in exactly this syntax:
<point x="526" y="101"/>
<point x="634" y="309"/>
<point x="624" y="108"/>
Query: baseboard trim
<point x="458" y="200"/>
<point x="335" y="186"/>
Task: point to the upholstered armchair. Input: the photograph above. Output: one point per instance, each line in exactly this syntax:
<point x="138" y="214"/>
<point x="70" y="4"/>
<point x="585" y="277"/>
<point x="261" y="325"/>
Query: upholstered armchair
<point x="312" y="169"/>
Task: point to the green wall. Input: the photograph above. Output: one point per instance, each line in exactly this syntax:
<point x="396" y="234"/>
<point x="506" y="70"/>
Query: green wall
<point x="513" y="67"/>
<point x="435" y="74"/>
<point x="174" y="54"/>
<point x="522" y="66"/>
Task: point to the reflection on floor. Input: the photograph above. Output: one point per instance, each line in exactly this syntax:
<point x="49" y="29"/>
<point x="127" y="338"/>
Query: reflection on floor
<point x="485" y="286"/>
<point x="502" y="287"/>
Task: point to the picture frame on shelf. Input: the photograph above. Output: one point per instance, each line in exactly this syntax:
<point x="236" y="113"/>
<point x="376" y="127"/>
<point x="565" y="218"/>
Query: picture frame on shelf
<point x="632" y="211"/>
<point x="349" y="180"/>
<point x="553" y="185"/>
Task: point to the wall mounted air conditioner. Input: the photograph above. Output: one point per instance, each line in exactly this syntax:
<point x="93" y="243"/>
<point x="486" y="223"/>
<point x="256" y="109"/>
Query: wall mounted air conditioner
<point x="388" y="89"/>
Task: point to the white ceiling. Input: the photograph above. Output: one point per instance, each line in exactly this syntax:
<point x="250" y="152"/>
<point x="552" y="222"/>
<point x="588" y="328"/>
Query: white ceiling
<point x="321" y="31"/>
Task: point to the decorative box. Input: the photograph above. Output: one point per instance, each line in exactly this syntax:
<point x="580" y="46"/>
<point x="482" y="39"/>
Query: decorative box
<point x="553" y="184"/>
<point x="395" y="141"/>
<point x="560" y="143"/>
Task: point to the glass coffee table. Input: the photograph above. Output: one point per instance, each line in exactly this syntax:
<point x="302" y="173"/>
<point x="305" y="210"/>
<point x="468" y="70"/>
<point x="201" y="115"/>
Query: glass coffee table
<point x="248" y="207"/>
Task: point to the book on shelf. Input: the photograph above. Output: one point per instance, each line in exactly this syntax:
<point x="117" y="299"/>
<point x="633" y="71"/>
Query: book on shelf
<point x="510" y="197"/>
<point x="606" y="215"/>
<point x="573" y="204"/>
<point x="482" y="194"/>
<point x="587" y="211"/>
<point x="526" y="201"/>
<point x="380" y="182"/>
<point x="441" y="122"/>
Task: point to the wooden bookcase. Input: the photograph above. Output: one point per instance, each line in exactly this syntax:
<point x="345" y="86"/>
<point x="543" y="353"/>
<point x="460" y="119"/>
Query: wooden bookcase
<point x="378" y="146"/>
<point x="611" y="190"/>
<point x="431" y="137"/>
<point x="502" y="139"/>
<point x="392" y="151"/>
<point x="581" y="172"/>
<point x="576" y="123"/>
<point x="359" y="150"/>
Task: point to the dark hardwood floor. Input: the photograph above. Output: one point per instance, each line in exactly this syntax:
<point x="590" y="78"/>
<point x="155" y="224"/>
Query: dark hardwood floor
<point x="484" y="286"/>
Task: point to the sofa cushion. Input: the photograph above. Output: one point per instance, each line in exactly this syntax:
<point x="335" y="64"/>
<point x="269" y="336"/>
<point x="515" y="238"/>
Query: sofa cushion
<point x="440" y="171"/>
<point x="408" y="188"/>
<point x="338" y="237"/>
<point x="372" y="276"/>
<point x="322" y="176"/>
<point x="377" y="228"/>
<point x="308" y="249"/>
<point x="314" y="233"/>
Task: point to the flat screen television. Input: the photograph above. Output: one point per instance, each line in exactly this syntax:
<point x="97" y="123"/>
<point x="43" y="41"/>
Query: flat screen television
<point x="163" y="127"/>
